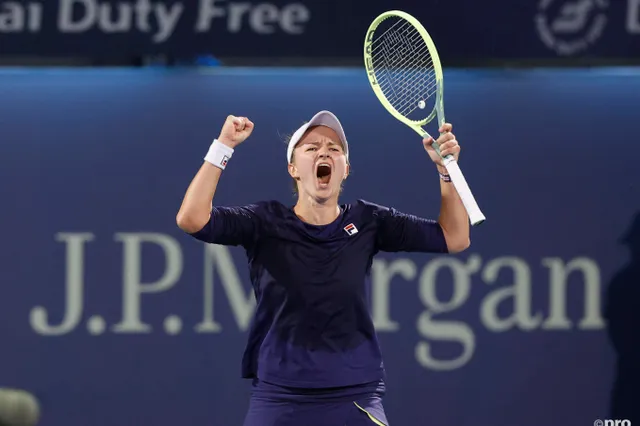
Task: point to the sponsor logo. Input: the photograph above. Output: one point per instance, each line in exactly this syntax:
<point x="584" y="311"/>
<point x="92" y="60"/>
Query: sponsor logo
<point x="570" y="27"/>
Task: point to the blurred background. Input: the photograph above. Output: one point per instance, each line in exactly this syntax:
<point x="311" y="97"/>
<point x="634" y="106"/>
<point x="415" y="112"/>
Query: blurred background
<point x="111" y="316"/>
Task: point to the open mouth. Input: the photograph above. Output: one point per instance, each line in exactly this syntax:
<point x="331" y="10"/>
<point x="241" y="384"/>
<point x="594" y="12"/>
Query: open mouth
<point x="323" y="172"/>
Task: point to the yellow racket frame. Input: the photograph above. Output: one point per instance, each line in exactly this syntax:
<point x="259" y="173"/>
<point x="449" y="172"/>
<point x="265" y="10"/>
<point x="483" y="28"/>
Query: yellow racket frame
<point x="438" y="108"/>
<point x="476" y="217"/>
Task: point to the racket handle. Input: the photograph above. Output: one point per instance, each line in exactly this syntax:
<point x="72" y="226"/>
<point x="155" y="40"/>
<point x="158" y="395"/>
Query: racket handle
<point x="460" y="183"/>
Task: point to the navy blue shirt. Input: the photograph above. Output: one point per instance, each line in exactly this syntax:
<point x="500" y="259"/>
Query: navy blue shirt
<point x="312" y="326"/>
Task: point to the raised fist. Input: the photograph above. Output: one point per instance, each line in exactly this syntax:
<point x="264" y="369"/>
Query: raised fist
<point x="235" y="131"/>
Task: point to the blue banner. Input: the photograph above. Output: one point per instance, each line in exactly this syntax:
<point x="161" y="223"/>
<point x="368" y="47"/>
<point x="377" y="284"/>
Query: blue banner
<point x="111" y="315"/>
<point x="462" y="29"/>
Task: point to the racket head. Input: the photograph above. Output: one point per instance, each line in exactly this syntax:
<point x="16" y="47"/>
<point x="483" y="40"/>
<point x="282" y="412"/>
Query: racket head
<point x="404" y="70"/>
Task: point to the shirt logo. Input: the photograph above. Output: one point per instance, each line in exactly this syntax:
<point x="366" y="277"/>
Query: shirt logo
<point x="351" y="229"/>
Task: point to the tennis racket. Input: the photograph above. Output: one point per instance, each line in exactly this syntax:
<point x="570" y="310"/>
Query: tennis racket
<point x="404" y="71"/>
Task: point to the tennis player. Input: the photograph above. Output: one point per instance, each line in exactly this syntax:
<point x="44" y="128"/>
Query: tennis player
<point x="312" y="350"/>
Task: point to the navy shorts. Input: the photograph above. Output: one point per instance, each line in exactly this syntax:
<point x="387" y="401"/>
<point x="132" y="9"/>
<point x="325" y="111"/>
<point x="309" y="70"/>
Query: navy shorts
<point x="273" y="405"/>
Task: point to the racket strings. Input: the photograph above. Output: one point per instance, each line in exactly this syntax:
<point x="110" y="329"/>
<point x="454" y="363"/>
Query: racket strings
<point x="416" y="67"/>
<point x="416" y="82"/>
<point x="393" y="59"/>
<point x="403" y="67"/>
<point x="424" y="90"/>
<point x="406" y="82"/>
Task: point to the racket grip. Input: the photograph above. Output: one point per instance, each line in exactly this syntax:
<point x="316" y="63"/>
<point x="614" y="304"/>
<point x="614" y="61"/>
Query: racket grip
<point x="460" y="183"/>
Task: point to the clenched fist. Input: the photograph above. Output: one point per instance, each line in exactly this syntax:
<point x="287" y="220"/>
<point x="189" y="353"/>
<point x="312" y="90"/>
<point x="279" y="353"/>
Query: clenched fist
<point x="446" y="143"/>
<point x="235" y="131"/>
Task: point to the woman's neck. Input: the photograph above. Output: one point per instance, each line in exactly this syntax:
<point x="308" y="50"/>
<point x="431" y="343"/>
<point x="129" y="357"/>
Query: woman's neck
<point x="316" y="213"/>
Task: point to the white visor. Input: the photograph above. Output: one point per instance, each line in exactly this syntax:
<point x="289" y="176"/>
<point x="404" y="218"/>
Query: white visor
<point x="323" y="118"/>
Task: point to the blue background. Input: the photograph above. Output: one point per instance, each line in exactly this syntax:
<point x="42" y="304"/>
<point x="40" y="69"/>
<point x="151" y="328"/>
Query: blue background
<point x="550" y="155"/>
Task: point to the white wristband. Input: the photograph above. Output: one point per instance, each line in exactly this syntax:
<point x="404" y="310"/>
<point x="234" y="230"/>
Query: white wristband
<point x="219" y="154"/>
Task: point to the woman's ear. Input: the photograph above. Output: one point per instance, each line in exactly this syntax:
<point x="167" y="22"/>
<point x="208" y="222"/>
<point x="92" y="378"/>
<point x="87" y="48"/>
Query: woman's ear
<point x="293" y="171"/>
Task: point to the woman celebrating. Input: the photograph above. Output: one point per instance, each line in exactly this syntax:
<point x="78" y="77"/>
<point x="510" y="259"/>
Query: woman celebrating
<point x="312" y="350"/>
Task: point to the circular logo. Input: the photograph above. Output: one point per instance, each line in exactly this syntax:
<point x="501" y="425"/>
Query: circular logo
<point x="571" y="26"/>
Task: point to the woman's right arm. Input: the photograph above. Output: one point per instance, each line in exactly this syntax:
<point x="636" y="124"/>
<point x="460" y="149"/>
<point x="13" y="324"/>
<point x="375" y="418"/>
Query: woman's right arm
<point x="195" y="211"/>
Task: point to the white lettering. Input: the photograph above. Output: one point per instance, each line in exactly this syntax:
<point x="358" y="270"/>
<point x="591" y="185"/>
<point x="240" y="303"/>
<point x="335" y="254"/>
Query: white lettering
<point x="120" y="17"/>
<point x="75" y="243"/>
<point x="243" y="305"/>
<point x="132" y="276"/>
<point x="263" y="18"/>
<point x="293" y="17"/>
<point x="617" y="422"/>
<point x="143" y="10"/>
<point x="519" y="292"/>
<point x="66" y="21"/>
<point x="444" y="286"/>
<point x="12" y="17"/>
<point x="35" y="17"/>
<point x="633" y="16"/>
<point x="454" y="331"/>
<point x="236" y="11"/>
<point x="15" y="17"/>
<point x="207" y="13"/>
<point x="558" y="274"/>
<point x="382" y="275"/>
<point x="168" y="18"/>
<point x="120" y="23"/>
